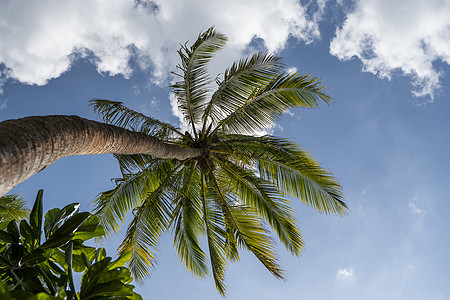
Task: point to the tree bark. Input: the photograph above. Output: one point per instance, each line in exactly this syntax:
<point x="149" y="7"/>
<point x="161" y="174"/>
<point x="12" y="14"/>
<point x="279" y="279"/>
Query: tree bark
<point x="30" y="144"/>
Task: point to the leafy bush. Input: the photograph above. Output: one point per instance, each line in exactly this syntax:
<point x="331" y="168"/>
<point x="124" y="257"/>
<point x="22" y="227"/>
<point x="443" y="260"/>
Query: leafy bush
<point x="35" y="268"/>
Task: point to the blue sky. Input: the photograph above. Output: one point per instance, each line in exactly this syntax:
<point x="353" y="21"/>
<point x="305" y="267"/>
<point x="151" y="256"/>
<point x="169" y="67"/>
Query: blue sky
<point x="386" y="65"/>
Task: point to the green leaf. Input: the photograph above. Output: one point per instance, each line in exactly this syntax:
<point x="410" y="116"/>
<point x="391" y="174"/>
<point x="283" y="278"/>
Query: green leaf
<point x="65" y="233"/>
<point x="79" y="265"/>
<point x="113" y="288"/>
<point x="119" y="273"/>
<point x="13" y="230"/>
<point x="28" y="236"/>
<point x="100" y="254"/>
<point x="123" y="258"/>
<point x="68" y="258"/>
<point x="34" y="257"/>
<point x="4" y="291"/>
<point x="6" y="237"/>
<point x="49" y="278"/>
<point x="55" y="217"/>
<point x="36" y="216"/>
<point x="91" y="277"/>
<point x="56" y="241"/>
<point x="85" y="260"/>
<point x="56" y="268"/>
<point x="136" y="297"/>
<point x="42" y="296"/>
<point x="90" y="228"/>
<point x="3" y="224"/>
<point x="29" y="279"/>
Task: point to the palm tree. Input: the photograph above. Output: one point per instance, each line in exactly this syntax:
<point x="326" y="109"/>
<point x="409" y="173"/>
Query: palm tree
<point x="241" y="185"/>
<point x="12" y="207"/>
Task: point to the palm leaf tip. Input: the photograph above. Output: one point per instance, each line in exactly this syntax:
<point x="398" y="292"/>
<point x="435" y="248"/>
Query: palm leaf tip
<point x="192" y="91"/>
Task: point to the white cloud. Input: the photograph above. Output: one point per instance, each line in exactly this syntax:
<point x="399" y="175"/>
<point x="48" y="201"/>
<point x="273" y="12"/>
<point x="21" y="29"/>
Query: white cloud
<point x="41" y="39"/>
<point x="4" y="74"/>
<point x="3" y="104"/>
<point x="149" y="107"/>
<point x="414" y="207"/>
<point x="135" y="90"/>
<point x="177" y="112"/>
<point x="346" y="274"/>
<point x="388" y="36"/>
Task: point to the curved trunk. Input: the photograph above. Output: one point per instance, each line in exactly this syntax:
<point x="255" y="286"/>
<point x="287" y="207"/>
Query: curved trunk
<point x="30" y="144"/>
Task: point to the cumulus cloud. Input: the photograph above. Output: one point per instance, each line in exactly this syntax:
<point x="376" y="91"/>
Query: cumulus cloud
<point x="345" y="274"/>
<point x="406" y="36"/>
<point x="41" y="39"/>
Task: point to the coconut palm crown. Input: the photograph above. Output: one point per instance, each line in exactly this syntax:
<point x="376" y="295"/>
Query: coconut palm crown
<point x="241" y="185"/>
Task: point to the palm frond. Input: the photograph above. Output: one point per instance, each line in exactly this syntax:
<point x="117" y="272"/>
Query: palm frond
<point x="143" y="233"/>
<point x="151" y="219"/>
<point x="133" y="163"/>
<point x="269" y="102"/>
<point x="113" y="206"/>
<point x="243" y="222"/>
<point x="187" y="217"/>
<point x="290" y="168"/>
<point x="267" y="201"/>
<point x="192" y="91"/>
<point x="115" y="113"/>
<point x="239" y="83"/>
<point x="12" y="207"/>
<point x="252" y="236"/>
<point x="215" y="234"/>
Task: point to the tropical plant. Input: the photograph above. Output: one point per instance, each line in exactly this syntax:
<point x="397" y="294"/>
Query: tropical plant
<point x="240" y="184"/>
<point x="12" y="207"/>
<point x="32" y="268"/>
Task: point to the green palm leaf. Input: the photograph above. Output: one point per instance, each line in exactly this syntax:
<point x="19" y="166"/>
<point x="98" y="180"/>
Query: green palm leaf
<point x="239" y="83"/>
<point x="12" y="207"/>
<point x="215" y="235"/>
<point x="269" y="102"/>
<point x="115" y="113"/>
<point x="290" y="168"/>
<point x="187" y="218"/>
<point x="151" y="219"/>
<point x="242" y="222"/>
<point x="113" y="206"/>
<point x="266" y="199"/>
<point x="192" y="91"/>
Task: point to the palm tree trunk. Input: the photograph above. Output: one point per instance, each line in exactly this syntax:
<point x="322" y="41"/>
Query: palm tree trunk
<point x="30" y="144"/>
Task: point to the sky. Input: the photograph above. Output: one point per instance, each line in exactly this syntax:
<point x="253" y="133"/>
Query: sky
<point x="385" y="63"/>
